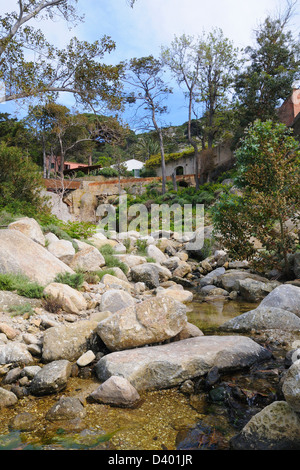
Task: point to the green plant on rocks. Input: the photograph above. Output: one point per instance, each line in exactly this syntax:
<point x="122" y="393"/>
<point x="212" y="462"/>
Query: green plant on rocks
<point x="111" y="261"/>
<point x="22" y="285"/>
<point x="73" y="280"/>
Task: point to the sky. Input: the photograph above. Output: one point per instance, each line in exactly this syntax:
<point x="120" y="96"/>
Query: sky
<point x="150" y="24"/>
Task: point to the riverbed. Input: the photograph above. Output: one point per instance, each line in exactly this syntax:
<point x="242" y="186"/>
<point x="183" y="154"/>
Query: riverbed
<point x="176" y="418"/>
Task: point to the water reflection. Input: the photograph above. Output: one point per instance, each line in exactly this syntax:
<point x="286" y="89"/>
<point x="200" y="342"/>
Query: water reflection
<point x="208" y="315"/>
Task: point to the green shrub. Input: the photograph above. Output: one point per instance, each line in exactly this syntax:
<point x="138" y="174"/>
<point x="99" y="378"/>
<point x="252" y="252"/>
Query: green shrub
<point x="107" y="250"/>
<point x="100" y="274"/>
<point x="79" y="230"/>
<point x="108" y="172"/>
<point x="22" y="285"/>
<point x="112" y="262"/>
<point x="141" y="246"/>
<point x="110" y="259"/>
<point x="25" y="309"/>
<point x="73" y="280"/>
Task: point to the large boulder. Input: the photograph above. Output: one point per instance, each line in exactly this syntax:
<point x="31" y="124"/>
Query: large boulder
<point x="116" y="299"/>
<point x="230" y="281"/>
<point x="276" y="427"/>
<point x="51" y="379"/>
<point x="61" y="248"/>
<point x="151" y="321"/>
<point x="30" y="228"/>
<point x="72" y="340"/>
<point x="20" y="255"/>
<point x="263" y="318"/>
<point x="254" y="291"/>
<point x="71" y="300"/>
<point x="286" y="297"/>
<point x="164" y="366"/>
<point x="87" y="259"/>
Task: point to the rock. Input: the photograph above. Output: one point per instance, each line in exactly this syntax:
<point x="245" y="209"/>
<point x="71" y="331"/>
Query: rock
<point x="177" y="294"/>
<point x="168" y="365"/>
<point x="31" y="371"/>
<point x="120" y="249"/>
<point x="182" y="269"/>
<point x="156" y="253"/>
<point x="263" y="318"/>
<point x="189" y="331"/>
<point x="70" y="341"/>
<point x="72" y="300"/>
<point x="10" y="332"/>
<point x="150" y="273"/>
<point x="25" y="422"/>
<point x="276" y="427"/>
<point x="296" y="264"/>
<point x="66" y="408"/>
<point x="151" y="321"/>
<point x="12" y="376"/>
<point x="11" y="299"/>
<point x="115" y="299"/>
<point x="254" y="291"/>
<point x="171" y="263"/>
<point x="212" y="277"/>
<point x="51" y="379"/>
<point x="61" y="248"/>
<point x="7" y="398"/>
<point x="17" y="253"/>
<point x="131" y="260"/>
<point x="88" y="259"/>
<point x="213" y="290"/>
<point x="51" y="237"/>
<point x="231" y="279"/>
<point x="30" y="228"/>
<point x="119" y="273"/>
<point x="14" y="352"/>
<point x="286" y="297"/>
<point x="113" y="281"/>
<point x="116" y="391"/>
<point x="86" y="359"/>
<point x="291" y="386"/>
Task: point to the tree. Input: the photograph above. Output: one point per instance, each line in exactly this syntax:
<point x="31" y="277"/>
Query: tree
<point x="184" y="61"/>
<point x="144" y="75"/>
<point x="205" y="66"/>
<point x="271" y="67"/>
<point x="20" y="182"/>
<point x="77" y="69"/>
<point x="268" y="163"/>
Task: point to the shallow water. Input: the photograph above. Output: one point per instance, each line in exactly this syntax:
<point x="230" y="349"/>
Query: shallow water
<point x="209" y="315"/>
<point x="161" y="421"/>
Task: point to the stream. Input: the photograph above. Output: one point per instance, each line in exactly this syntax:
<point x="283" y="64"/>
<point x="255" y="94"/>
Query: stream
<point x="205" y="416"/>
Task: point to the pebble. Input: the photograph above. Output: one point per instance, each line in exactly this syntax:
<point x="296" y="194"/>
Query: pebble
<point x="86" y="359"/>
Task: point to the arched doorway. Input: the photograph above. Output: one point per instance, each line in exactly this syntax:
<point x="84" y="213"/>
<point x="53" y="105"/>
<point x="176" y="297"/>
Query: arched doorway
<point x="179" y="171"/>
